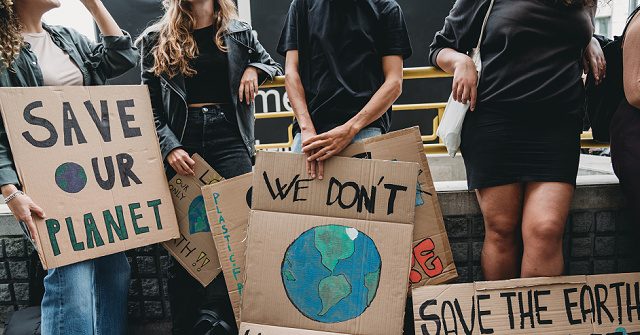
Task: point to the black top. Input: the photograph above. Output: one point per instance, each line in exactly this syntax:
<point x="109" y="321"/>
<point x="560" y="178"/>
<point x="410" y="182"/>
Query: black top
<point x="211" y="83"/>
<point x="341" y="44"/>
<point x="531" y="52"/>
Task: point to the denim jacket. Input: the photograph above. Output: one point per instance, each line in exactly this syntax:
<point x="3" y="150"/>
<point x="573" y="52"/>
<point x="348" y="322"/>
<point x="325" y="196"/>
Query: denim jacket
<point x="97" y="63"/>
<point x="169" y="95"/>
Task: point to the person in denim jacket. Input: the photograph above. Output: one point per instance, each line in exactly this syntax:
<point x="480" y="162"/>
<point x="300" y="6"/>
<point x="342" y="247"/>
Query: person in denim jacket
<point x="88" y="297"/>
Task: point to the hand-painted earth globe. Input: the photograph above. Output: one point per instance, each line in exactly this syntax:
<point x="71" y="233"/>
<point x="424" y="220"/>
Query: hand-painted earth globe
<point x="70" y="177"/>
<point x="198" y="222"/>
<point x="331" y="273"/>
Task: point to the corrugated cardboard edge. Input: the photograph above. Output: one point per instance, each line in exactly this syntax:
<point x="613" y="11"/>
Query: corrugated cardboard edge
<point x="256" y="329"/>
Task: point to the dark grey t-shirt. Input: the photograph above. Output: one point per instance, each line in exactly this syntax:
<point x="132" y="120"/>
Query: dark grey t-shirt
<point x="341" y="44"/>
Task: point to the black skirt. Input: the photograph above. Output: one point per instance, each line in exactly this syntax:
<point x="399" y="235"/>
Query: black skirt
<point x="511" y="144"/>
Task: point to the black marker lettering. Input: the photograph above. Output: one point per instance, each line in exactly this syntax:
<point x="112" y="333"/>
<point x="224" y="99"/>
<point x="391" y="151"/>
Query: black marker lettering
<point x="38" y="121"/>
<point x="102" y="122"/>
<point x="126" y="118"/>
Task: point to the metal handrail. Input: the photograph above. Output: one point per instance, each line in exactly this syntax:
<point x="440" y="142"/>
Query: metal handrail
<point x="587" y="140"/>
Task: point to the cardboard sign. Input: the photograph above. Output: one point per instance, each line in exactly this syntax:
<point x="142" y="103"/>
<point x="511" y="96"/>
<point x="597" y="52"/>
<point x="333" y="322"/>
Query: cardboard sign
<point x="90" y="157"/>
<point x="228" y="204"/>
<point x="194" y="249"/>
<point x="601" y="304"/>
<point x="431" y="259"/>
<point x="253" y="329"/>
<point x="329" y="255"/>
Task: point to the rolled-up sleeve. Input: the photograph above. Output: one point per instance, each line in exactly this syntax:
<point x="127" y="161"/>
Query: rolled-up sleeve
<point x="395" y="38"/>
<point x="461" y="28"/>
<point x="8" y="173"/>
<point x="289" y="36"/>
<point x="115" y="55"/>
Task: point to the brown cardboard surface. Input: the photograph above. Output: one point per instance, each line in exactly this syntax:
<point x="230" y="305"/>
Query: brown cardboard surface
<point x="265" y="300"/>
<point x="352" y="188"/>
<point x="329" y="255"/>
<point x="432" y="258"/>
<point x="194" y="249"/>
<point x="54" y="136"/>
<point x="228" y="207"/>
<point x="601" y="304"/>
<point x="254" y="329"/>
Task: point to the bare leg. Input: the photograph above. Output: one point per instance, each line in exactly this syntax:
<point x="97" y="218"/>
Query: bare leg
<point x="502" y="209"/>
<point x="546" y="208"/>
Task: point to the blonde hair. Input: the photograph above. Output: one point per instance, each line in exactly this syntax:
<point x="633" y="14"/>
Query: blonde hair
<point x="175" y="46"/>
<point x="11" y="40"/>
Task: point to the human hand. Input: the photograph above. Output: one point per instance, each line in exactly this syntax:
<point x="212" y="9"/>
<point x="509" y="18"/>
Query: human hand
<point x="314" y="168"/>
<point x="248" y="85"/>
<point x="594" y="61"/>
<point x="465" y="83"/>
<point x="181" y="162"/>
<point x="23" y="209"/>
<point x="326" y="145"/>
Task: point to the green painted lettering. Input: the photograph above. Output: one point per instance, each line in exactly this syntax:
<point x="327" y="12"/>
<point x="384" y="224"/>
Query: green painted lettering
<point x="53" y="227"/>
<point x="156" y="211"/>
<point x="77" y="246"/>
<point x="93" y="235"/>
<point x="120" y="228"/>
<point x="135" y="217"/>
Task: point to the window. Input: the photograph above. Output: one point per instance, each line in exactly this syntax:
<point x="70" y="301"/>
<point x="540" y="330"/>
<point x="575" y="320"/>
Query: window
<point x="603" y="25"/>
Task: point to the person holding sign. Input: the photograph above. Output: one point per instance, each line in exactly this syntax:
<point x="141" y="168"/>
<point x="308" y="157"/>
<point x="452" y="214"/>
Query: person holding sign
<point x="203" y="68"/>
<point x="88" y="297"/>
<point x="344" y="63"/>
<point x="521" y="137"/>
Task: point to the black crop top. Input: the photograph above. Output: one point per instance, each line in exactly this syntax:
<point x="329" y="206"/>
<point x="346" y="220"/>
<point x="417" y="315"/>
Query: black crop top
<point x="211" y="83"/>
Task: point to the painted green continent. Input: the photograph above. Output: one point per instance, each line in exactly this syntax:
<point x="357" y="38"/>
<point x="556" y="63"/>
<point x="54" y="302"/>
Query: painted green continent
<point x="371" y="281"/>
<point x="333" y="289"/>
<point x="334" y="244"/>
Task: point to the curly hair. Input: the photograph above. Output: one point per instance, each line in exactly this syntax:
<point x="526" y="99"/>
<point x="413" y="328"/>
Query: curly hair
<point x="176" y="46"/>
<point x="11" y="40"/>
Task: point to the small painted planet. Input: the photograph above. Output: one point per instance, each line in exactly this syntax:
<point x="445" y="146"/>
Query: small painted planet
<point x="198" y="222"/>
<point x="331" y="273"/>
<point x="71" y="177"/>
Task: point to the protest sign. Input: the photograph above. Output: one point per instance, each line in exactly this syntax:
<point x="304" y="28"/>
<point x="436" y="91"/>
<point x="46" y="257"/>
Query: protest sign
<point x="228" y="204"/>
<point x="432" y="259"/>
<point x="331" y="254"/>
<point x="194" y="249"/>
<point x="599" y="304"/>
<point x="253" y="329"/>
<point x="90" y="157"/>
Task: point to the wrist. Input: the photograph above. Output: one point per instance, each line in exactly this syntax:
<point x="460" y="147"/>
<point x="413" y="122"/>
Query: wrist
<point x="353" y="127"/>
<point x="8" y="189"/>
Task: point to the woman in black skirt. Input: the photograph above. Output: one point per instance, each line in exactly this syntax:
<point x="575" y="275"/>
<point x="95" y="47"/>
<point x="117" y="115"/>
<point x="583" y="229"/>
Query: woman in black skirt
<point x="521" y="137"/>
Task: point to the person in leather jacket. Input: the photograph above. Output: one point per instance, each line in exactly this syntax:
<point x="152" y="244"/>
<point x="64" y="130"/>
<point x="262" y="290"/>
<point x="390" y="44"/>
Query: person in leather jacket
<point x="203" y="68"/>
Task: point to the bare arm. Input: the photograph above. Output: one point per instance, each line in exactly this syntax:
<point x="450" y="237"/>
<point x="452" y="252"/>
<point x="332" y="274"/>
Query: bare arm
<point x="386" y="95"/>
<point x="631" y="63"/>
<point x="465" y="75"/>
<point x="334" y="141"/>
<point x="104" y="20"/>
<point x="295" y="91"/>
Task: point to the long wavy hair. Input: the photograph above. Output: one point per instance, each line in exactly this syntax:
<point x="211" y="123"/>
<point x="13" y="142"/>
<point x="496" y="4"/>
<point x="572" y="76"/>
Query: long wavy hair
<point x="176" y="47"/>
<point x="11" y="40"/>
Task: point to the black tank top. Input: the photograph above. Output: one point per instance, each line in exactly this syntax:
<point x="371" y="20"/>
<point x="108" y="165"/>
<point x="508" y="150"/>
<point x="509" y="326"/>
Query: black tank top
<point x="211" y="83"/>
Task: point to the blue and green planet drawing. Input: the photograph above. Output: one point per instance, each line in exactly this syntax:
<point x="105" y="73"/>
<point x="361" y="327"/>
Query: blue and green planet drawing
<point x="198" y="222"/>
<point x="331" y="273"/>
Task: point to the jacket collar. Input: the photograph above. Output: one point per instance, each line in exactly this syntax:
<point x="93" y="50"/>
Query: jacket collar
<point x="236" y="26"/>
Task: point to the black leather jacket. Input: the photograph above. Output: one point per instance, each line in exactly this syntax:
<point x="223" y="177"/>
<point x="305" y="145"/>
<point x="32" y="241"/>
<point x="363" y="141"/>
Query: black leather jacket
<point x="169" y="96"/>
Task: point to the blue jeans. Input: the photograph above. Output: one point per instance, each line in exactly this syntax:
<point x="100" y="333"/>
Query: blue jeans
<point x="363" y="134"/>
<point x="87" y="298"/>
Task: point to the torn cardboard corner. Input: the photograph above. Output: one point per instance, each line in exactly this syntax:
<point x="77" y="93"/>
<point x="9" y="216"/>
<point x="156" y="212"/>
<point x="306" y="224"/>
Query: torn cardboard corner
<point x="599" y="304"/>
<point x="330" y="254"/>
<point x="432" y="258"/>
<point x="254" y="329"/>
<point x="89" y="156"/>
<point x="228" y="204"/>
<point x="194" y="249"/>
